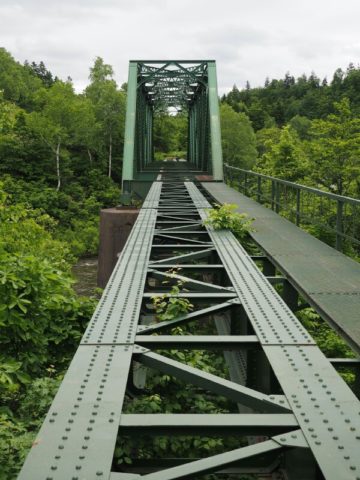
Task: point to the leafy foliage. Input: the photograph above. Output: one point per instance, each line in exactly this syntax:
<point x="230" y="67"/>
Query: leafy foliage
<point x="169" y="306"/>
<point x="224" y="217"/>
<point x="238" y="138"/>
<point x="41" y="323"/>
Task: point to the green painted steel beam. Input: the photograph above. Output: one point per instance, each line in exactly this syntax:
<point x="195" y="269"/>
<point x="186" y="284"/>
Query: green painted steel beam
<point x="184" y="258"/>
<point x="214" y="463"/>
<point x="216" y="149"/>
<point x="238" y="393"/>
<point x="130" y="124"/>
<point x="207" y="424"/>
<point x="198" y="342"/>
<point x="189" y="283"/>
<point x="189" y="317"/>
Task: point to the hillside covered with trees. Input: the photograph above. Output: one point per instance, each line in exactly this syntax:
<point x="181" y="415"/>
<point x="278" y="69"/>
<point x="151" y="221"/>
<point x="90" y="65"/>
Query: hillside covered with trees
<point x="304" y="130"/>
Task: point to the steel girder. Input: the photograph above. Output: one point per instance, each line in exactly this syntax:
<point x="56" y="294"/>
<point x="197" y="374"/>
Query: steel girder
<point x="309" y="412"/>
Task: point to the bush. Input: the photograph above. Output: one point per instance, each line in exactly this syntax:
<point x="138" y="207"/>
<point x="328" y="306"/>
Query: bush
<point x="224" y="217"/>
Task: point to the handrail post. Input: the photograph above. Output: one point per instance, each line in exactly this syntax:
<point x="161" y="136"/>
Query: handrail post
<point x="339" y="224"/>
<point x="245" y="183"/>
<point x="258" y="192"/>
<point x="298" y="205"/>
<point x="272" y="194"/>
<point x="277" y="197"/>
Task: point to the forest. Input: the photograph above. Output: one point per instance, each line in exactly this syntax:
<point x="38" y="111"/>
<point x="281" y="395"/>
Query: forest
<point x="60" y="163"/>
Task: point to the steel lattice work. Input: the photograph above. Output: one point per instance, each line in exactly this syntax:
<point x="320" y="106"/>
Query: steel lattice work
<point x="156" y="86"/>
<point x="306" y="415"/>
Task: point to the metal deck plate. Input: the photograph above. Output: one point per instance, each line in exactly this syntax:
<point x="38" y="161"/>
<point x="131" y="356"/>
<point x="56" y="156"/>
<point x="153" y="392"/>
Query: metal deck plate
<point x="326" y="409"/>
<point x="152" y="198"/>
<point x="77" y="438"/>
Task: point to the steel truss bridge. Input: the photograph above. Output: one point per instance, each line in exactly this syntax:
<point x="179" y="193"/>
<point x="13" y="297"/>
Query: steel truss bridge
<point x="294" y="417"/>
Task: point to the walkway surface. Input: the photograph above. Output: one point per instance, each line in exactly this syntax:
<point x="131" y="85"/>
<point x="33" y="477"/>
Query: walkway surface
<point x="328" y="280"/>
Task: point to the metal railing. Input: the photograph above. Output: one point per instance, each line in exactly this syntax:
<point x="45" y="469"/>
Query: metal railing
<point x="332" y="218"/>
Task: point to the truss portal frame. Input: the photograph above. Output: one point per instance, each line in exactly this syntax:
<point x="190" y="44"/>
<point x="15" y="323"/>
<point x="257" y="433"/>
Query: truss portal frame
<point x="155" y="86"/>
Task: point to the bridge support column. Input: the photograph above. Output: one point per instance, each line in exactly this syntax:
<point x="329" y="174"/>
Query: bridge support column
<point x="115" y="227"/>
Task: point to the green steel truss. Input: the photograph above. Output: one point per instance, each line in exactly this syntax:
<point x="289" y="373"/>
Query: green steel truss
<point x="296" y="416"/>
<point x="156" y="86"/>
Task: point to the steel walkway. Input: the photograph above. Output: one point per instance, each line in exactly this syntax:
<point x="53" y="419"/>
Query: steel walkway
<point x="328" y="280"/>
<point x="309" y="410"/>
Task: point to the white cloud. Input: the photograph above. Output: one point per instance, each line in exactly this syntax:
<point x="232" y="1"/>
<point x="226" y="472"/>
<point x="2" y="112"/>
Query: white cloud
<point x="249" y="40"/>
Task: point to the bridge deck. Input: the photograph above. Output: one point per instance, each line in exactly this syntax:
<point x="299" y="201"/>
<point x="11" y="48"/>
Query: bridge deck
<point x="327" y="279"/>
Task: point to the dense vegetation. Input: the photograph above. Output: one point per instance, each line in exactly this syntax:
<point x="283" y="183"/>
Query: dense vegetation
<point x="305" y="130"/>
<point x="60" y="162"/>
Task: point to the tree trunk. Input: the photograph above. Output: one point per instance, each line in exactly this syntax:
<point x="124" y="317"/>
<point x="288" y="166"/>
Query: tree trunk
<point x="110" y="155"/>
<point x="90" y="155"/>
<point x="57" y="152"/>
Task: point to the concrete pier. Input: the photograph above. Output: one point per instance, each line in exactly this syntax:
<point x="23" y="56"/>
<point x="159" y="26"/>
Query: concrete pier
<point x="115" y="227"/>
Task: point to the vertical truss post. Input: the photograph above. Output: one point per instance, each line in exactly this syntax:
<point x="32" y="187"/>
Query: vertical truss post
<point x="216" y="150"/>
<point x="130" y="122"/>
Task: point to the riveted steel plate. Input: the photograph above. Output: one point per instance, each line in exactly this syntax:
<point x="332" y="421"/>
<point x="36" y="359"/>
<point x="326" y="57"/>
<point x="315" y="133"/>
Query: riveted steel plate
<point x="77" y="438"/>
<point x="325" y="407"/>
<point x="197" y="197"/>
<point x="152" y="198"/>
<point x="116" y="316"/>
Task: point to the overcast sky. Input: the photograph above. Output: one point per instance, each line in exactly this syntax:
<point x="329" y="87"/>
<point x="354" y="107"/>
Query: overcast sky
<point x="250" y="39"/>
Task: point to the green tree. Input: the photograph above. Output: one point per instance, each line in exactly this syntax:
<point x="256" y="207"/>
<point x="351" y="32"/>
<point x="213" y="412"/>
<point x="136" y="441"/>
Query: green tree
<point x="55" y="122"/>
<point x="109" y="106"/>
<point x="17" y="83"/>
<point x="335" y="150"/>
<point x="286" y="157"/>
<point x="238" y="138"/>
<point x="170" y="133"/>
<point x="41" y="72"/>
